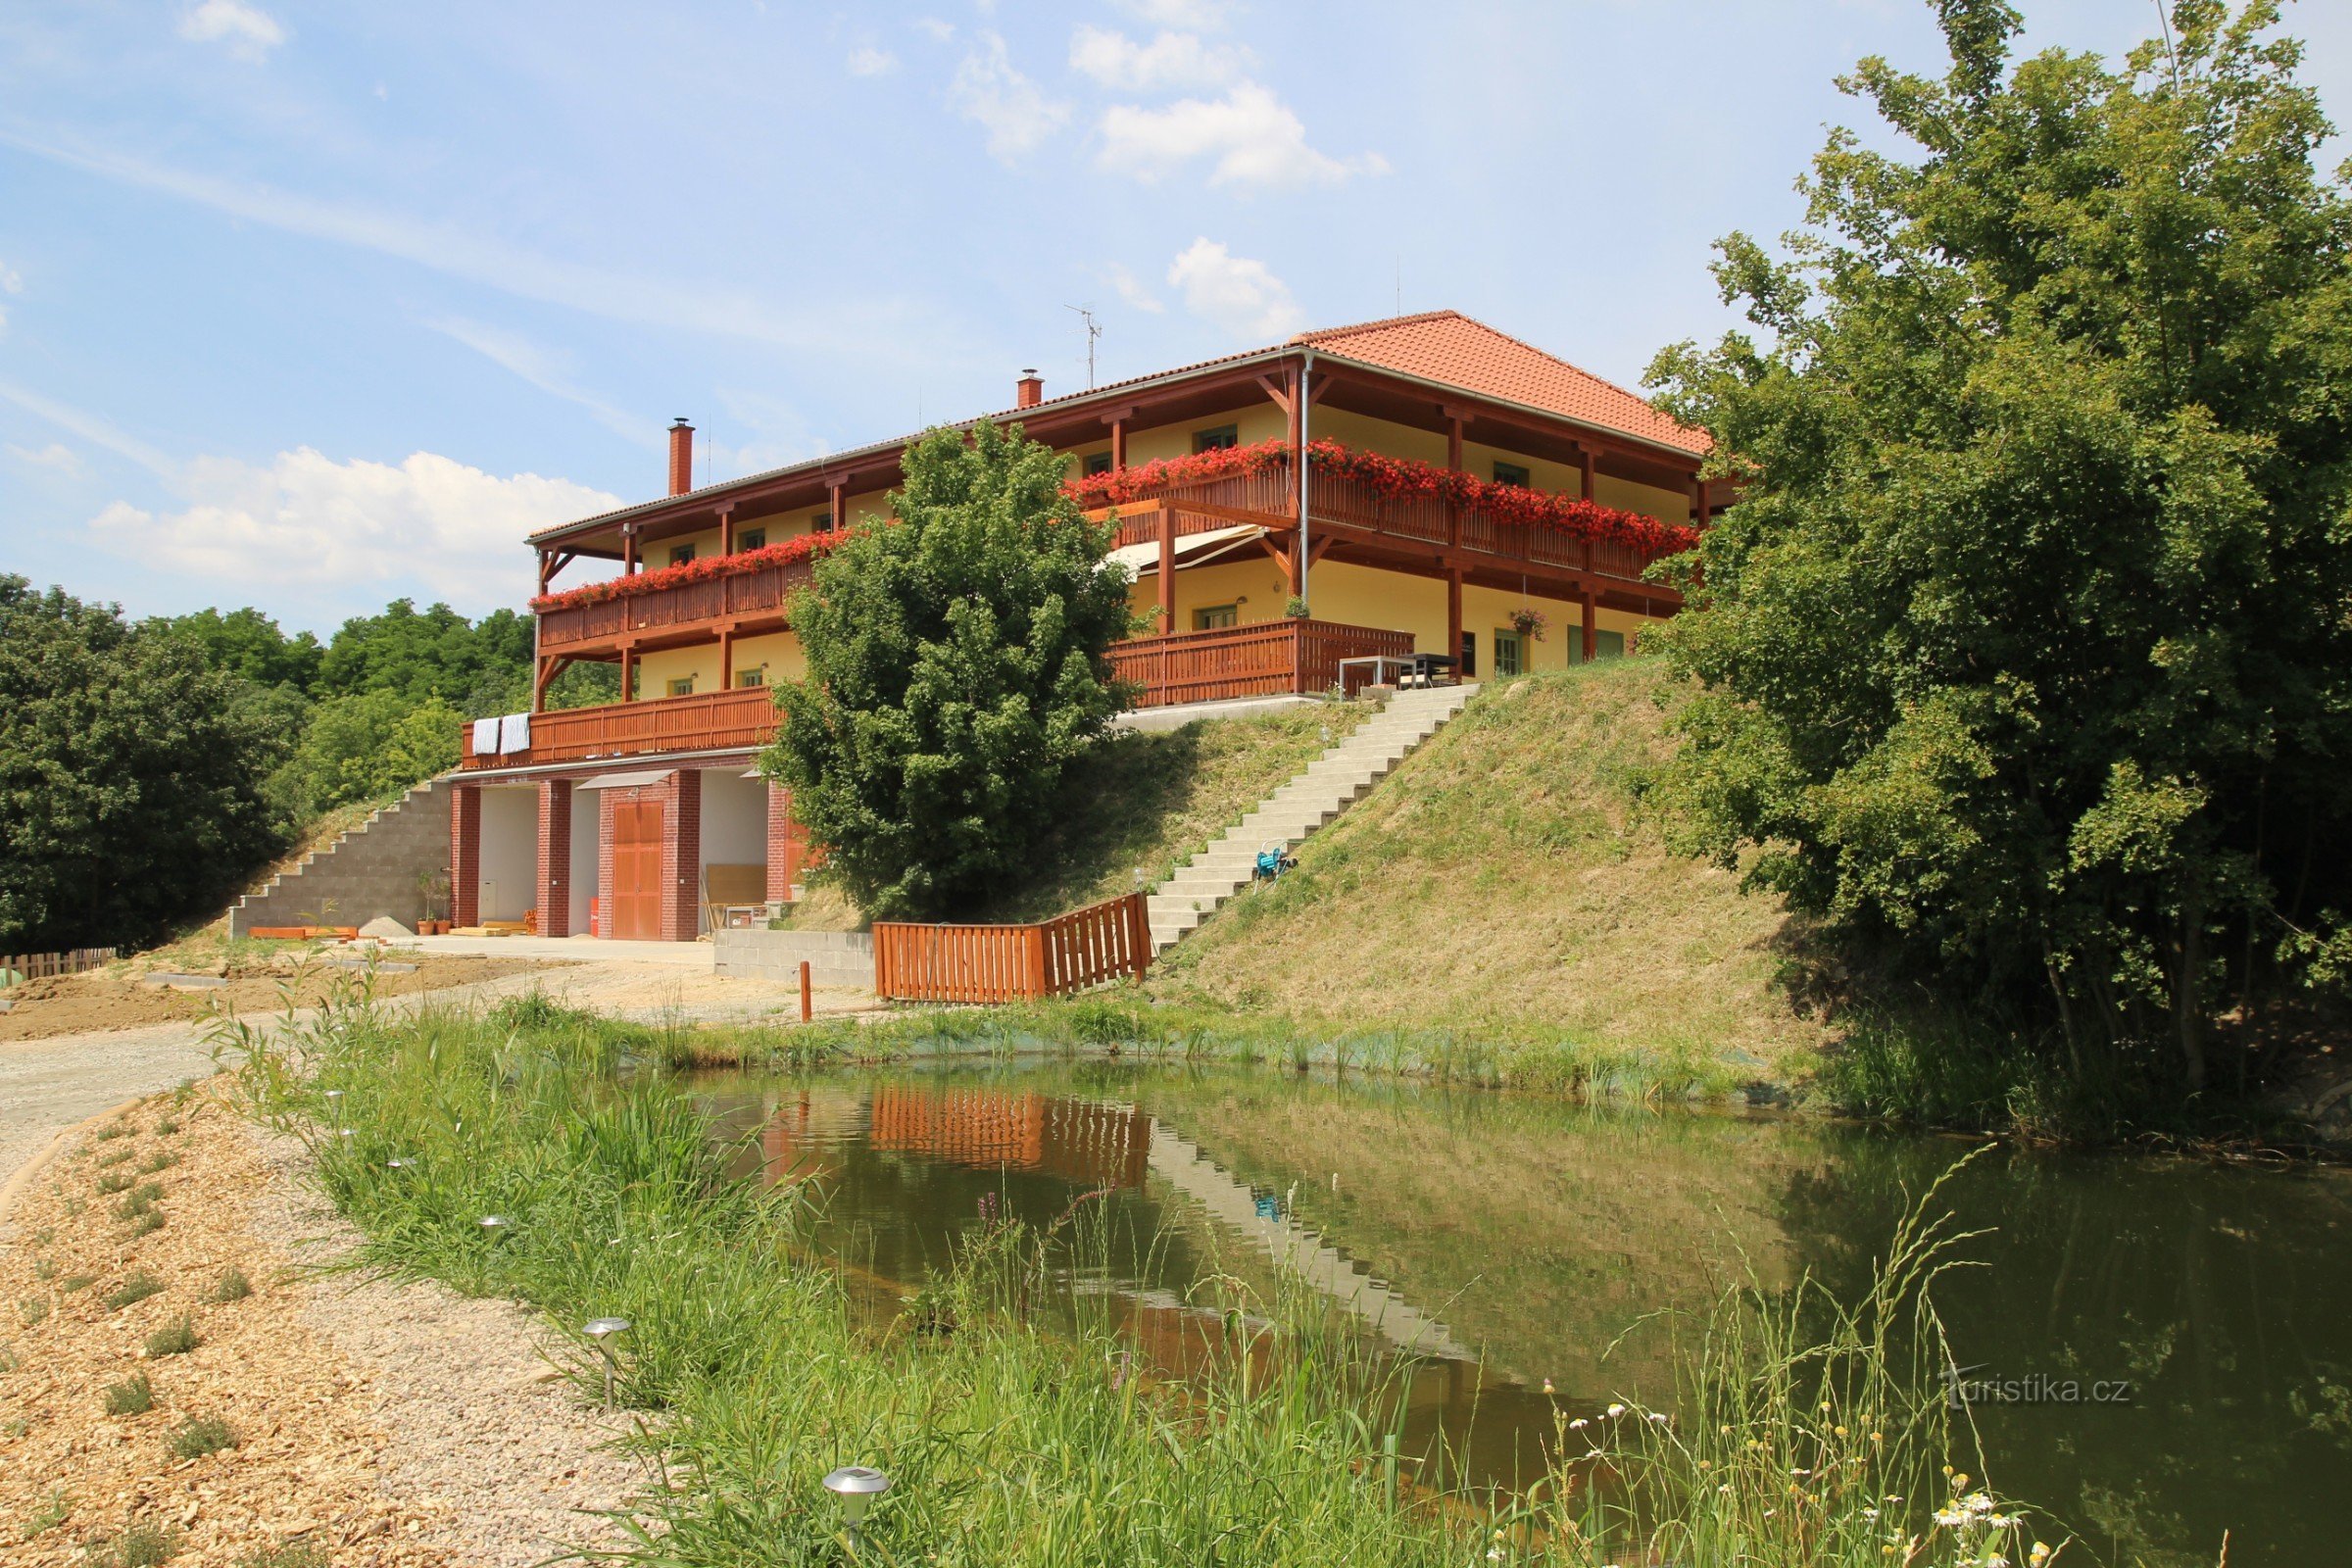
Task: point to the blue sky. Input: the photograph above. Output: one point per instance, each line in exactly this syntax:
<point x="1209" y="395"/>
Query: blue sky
<point x="310" y="305"/>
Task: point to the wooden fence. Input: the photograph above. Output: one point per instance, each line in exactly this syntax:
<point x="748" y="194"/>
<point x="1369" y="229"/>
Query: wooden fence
<point x="989" y="964"/>
<point x="1264" y="658"/>
<point x="41" y="965"/>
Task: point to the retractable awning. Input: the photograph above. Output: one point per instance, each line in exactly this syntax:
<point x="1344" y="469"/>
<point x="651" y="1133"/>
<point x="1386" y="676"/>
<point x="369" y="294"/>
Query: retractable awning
<point x="1143" y="560"/>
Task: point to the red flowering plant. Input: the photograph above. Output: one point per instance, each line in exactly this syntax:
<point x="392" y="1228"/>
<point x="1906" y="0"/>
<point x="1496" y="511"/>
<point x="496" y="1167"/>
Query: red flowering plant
<point x="702" y="568"/>
<point x="1095" y="490"/>
<point x="1396" y="479"/>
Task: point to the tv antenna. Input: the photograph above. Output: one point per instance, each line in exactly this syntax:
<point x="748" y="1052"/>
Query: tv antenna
<point x="1094" y="330"/>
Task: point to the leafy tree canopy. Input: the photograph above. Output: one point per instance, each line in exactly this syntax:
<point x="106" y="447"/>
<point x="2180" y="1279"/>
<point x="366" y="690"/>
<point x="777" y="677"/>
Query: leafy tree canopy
<point x="957" y="664"/>
<point x="482" y="666"/>
<point x="2029" y="652"/>
<point x="249" y="644"/>
<point x="132" y="775"/>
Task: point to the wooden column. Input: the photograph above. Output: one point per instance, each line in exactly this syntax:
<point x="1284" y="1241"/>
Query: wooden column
<point x="1591" y="627"/>
<point x="1118" y="445"/>
<point x="726" y="530"/>
<point x="841" y="503"/>
<point x="1295" y="574"/>
<point x="1168" y="568"/>
<point x="628" y="674"/>
<point x="628" y="551"/>
<point x="1453" y="611"/>
<point x="1586" y="473"/>
<point x="1699" y="509"/>
<point x="726" y="659"/>
<point x="1453" y="509"/>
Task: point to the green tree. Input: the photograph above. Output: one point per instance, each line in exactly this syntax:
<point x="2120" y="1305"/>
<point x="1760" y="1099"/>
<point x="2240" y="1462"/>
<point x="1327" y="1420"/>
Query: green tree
<point x="249" y="644"/>
<point x="483" y="666"/>
<point x="370" y="745"/>
<point x="2028" y="651"/>
<point x="957" y="664"/>
<point x="132" y="775"/>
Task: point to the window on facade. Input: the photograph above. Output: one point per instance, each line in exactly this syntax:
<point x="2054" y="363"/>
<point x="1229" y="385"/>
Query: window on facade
<point x="1511" y="473"/>
<point x="1218" y="439"/>
<point x="823" y="522"/>
<point x="1211" y="616"/>
<point x="1096" y="463"/>
<point x="756" y="675"/>
<point x="1510" y="654"/>
<point x="679" y="555"/>
<point x="1605" y="645"/>
<point x="681" y="685"/>
<point x="752" y="539"/>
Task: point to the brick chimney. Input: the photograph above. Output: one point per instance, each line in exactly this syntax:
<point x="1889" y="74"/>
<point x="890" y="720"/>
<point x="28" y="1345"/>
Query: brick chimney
<point x="1029" y="391"/>
<point x="681" y="456"/>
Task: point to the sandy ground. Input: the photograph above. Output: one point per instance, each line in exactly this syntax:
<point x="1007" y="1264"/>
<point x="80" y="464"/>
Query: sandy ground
<point x="381" y="1424"/>
<point x="131" y="996"/>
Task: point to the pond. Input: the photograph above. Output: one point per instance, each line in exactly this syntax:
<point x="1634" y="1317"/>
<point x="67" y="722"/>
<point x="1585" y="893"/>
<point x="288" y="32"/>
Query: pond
<point x="2160" y="1350"/>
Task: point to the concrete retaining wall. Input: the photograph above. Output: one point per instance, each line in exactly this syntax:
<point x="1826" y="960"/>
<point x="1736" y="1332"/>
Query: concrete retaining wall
<point x="835" y="958"/>
<point x="369" y="871"/>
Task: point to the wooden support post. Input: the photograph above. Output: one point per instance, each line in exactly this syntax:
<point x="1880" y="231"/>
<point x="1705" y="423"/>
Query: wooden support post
<point x="628" y="550"/>
<point x="1453" y="613"/>
<point x="841" y="503"/>
<point x="1168" y="568"/>
<point x="1586" y="474"/>
<point x="1700" y="508"/>
<point x="1591" y="627"/>
<point x="726" y="530"/>
<point x="1453" y="508"/>
<point x="628" y="674"/>
<point x="726" y="659"/>
<point x="1118" y="445"/>
<point x="808" y="1005"/>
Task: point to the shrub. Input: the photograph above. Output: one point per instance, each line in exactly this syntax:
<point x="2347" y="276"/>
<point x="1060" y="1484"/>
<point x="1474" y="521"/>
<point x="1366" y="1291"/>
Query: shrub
<point x="33" y="1309"/>
<point x="49" y="1515"/>
<point x="136" y="1286"/>
<point x="142" y="1545"/>
<point x="134" y="1396"/>
<point x="233" y="1287"/>
<point x="202" y="1435"/>
<point x="176" y="1337"/>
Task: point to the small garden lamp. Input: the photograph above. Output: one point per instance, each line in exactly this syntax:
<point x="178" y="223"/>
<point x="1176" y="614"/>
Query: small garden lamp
<point x="334" y="1103"/>
<point x="600" y="1329"/>
<point x="496" y="1226"/>
<point x="857" y="1486"/>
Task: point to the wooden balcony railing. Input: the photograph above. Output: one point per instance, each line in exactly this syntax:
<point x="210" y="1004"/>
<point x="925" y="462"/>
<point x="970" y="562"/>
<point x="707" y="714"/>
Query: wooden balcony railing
<point x="707" y="723"/>
<point x="755" y="591"/>
<point x="1269" y="659"/>
<point x="1271" y="500"/>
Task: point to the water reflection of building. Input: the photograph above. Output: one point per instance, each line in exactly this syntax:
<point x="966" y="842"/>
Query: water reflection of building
<point x="1092" y="1142"/>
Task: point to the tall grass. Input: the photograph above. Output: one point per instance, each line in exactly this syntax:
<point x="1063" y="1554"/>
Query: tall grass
<point x="754" y="1372"/>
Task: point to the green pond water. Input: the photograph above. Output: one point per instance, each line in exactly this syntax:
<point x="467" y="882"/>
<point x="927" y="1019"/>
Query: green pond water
<point x="2202" y="1313"/>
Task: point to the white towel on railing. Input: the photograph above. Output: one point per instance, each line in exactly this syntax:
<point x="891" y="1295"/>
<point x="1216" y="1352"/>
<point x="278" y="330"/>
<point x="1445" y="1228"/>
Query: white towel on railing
<point x="485" y="737"/>
<point x="513" y="734"/>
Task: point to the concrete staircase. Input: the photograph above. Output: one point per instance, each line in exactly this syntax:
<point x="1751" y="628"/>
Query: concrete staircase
<point x="371" y="870"/>
<point x="1332" y="783"/>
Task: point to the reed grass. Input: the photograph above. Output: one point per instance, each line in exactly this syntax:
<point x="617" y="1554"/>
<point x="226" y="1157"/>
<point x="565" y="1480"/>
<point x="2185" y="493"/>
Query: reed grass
<point x="1010" y="1445"/>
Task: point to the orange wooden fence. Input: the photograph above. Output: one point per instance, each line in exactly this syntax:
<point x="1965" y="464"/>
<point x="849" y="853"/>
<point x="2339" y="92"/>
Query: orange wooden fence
<point x="41" y="965"/>
<point x="985" y="964"/>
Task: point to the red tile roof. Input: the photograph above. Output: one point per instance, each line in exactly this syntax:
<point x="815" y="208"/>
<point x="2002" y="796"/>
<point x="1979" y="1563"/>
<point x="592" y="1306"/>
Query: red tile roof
<point x="1449" y="347"/>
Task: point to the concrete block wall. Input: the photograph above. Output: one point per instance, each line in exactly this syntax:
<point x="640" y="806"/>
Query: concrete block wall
<point x="835" y="958"/>
<point x="369" y="871"/>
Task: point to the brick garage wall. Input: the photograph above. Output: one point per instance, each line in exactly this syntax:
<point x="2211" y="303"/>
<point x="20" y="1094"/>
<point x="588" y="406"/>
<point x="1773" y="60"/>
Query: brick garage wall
<point x="465" y="854"/>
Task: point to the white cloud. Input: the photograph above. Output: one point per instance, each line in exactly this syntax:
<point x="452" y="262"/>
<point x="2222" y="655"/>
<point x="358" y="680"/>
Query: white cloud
<point x="868" y="61"/>
<point x="933" y="29"/>
<point x="1171" y="60"/>
<point x="1250" y="137"/>
<point x="249" y="31"/>
<point x="55" y="457"/>
<point x="1200" y="16"/>
<point x="673" y="303"/>
<point x="549" y="373"/>
<point x="1015" y="111"/>
<point x="11" y="282"/>
<point x="307" y="522"/>
<point x="1240" y="295"/>
<point x="1131" y="289"/>
<point x="92" y="429"/>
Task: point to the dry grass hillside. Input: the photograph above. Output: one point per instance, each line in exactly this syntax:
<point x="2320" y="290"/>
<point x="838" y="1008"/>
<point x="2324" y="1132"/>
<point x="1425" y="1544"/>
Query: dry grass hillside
<point x="1504" y="879"/>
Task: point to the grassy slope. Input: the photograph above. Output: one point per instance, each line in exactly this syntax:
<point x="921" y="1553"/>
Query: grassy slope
<point x="1148" y="802"/>
<point x="1503" y="878"/>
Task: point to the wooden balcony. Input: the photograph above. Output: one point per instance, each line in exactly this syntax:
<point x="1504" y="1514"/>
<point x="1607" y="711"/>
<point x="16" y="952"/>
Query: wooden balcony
<point x="1270" y="659"/>
<point x="707" y="722"/>
<point x="749" y="599"/>
<point x="1384" y="530"/>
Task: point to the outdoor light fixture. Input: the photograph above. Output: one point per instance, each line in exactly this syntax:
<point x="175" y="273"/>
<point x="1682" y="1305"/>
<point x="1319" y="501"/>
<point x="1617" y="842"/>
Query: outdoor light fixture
<point x="496" y="1226"/>
<point x="599" y="1330"/>
<point x="398" y="1164"/>
<point x="857" y="1486"/>
<point x="334" y="1100"/>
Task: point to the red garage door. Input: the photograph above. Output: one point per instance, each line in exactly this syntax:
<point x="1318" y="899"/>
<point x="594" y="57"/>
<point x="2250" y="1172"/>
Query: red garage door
<point x="637" y="870"/>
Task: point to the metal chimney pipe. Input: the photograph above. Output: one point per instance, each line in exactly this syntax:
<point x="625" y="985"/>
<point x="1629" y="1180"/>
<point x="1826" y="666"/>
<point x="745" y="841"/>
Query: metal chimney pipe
<point x="681" y="456"/>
